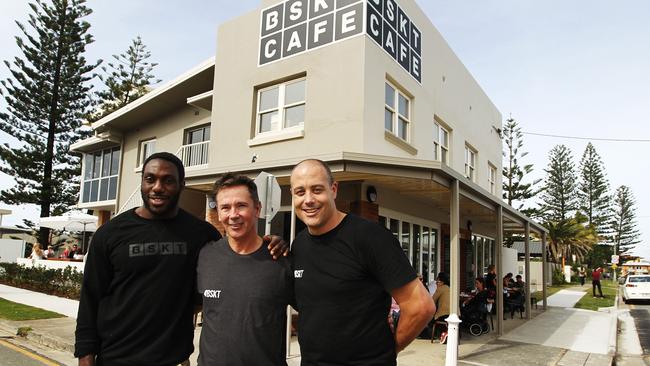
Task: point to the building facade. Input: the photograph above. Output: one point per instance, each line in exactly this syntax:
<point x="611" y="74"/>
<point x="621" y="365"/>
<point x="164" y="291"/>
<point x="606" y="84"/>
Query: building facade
<point x="369" y="86"/>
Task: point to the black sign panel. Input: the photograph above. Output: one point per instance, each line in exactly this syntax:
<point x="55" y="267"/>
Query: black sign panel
<point x="390" y="26"/>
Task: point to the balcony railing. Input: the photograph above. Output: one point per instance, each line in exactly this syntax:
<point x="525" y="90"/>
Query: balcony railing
<point x="194" y="154"/>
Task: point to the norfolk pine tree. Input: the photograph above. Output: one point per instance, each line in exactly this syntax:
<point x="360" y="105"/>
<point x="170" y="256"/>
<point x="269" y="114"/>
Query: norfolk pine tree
<point x="623" y="221"/>
<point x="594" y="201"/>
<point x="46" y="98"/>
<point x="130" y="74"/>
<point x="558" y="196"/>
<point x="514" y="188"/>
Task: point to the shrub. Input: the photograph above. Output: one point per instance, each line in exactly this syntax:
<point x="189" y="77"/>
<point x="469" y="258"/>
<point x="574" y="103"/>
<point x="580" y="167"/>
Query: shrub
<point x="558" y="277"/>
<point x="60" y="282"/>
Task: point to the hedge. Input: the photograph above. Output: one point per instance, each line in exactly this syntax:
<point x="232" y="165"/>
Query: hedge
<point x="59" y="282"/>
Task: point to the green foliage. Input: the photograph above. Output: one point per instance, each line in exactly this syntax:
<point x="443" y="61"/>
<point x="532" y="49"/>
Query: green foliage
<point x="60" y="282"/>
<point x="598" y="256"/>
<point x="570" y="237"/>
<point x="588" y="302"/>
<point x="46" y="98"/>
<point x="594" y="202"/>
<point x="129" y="76"/>
<point x="623" y="220"/>
<point x="515" y="190"/>
<point x="559" y="200"/>
<point x="557" y="278"/>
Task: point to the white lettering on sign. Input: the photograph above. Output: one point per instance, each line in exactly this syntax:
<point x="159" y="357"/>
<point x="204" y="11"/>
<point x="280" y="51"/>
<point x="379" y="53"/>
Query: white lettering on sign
<point x="272" y="20"/>
<point x="298" y="273"/>
<point x="319" y="28"/>
<point x="348" y="22"/>
<point x="268" y="52"/>
<point x="296" y="10"/>
<point x="294" y="41"/>
<point x="319" y="4"/>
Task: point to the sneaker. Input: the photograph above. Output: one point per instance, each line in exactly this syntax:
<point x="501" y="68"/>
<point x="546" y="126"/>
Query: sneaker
<point x="443" y="338"/>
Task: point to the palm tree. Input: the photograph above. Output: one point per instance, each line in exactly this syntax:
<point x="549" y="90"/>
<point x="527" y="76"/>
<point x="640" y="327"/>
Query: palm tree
<point x="571" y="237"/>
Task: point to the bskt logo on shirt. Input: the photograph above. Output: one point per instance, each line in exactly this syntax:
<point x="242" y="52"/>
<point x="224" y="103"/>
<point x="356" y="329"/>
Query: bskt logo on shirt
<point x="298" y="273"/>
<point x="164" y="248"/>
<point x="212" y="294"/>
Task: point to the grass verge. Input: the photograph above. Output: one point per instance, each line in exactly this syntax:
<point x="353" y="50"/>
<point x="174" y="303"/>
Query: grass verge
<point x="13" y="311"/>
<point x="588" y="302"/>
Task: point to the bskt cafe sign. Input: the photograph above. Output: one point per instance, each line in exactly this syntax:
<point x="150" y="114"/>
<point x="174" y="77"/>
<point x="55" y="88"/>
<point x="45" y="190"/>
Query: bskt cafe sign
<point x="296" y="26"/>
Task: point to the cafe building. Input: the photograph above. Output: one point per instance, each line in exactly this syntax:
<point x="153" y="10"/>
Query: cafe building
<point x="368" y="86"/>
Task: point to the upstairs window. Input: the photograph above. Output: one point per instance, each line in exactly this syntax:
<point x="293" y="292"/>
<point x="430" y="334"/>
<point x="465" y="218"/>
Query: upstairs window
<point x="440" y="143"/>
<point x="397" y="112"/>
<point x="492" y="178"/>
<point x="197" y="134"/>
<point x="281" y="106"/>
<point x="470" y="163"/>
<point x="147" y="148"/>
<point x="195" y="149"/>
<point x="100" y="175"/>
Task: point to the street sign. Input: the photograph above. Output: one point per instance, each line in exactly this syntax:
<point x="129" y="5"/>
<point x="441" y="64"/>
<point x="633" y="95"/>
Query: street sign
<point x="269" y="193"/>
<point x="614" y="259"/>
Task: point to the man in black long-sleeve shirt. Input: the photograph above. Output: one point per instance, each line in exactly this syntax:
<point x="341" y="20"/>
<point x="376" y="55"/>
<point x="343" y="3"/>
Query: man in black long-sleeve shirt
<point x="137" y="296"/>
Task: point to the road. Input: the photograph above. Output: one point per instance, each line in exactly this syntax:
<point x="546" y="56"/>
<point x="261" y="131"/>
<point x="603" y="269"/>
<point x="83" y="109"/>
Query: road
<point x="13" y="355"/>
<point x="634" y="334"/>
<point x="640" y="312"/>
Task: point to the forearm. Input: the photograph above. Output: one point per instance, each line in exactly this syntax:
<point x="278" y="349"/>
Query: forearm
<point x="409" y="327"/>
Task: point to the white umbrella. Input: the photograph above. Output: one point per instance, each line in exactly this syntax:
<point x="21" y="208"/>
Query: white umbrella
<point x="71" y="221"/>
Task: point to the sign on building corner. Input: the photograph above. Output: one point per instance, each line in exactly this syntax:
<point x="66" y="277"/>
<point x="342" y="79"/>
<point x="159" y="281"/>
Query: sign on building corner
<point x="292" y="27"/>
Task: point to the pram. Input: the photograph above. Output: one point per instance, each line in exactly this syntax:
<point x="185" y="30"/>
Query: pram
<point x="474" y="319"/>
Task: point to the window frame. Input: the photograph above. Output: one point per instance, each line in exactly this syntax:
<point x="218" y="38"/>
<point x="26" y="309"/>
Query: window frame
<point x="281" y="107"/>
<point x="110" y="175"/>
<point x="142" y="150"/>
<point x="396" y="115"/>
<point x="492" y="178"/>
<point x="470" y="166"/>
<point x="438" y="147"/>
<point x="188" y="132"/>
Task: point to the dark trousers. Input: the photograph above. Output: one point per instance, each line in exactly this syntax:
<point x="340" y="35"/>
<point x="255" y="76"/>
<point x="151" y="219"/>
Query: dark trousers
<point x="595" y="283"/>
<point x="582" y="280"/>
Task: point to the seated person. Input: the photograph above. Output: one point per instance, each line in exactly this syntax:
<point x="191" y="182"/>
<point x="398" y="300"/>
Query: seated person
<point x="50" y="252"/>
<point x="477" y="303"/>
<point x="441" y="299"/>
<point x="37" y="252"/>
<point x="72" y="252"/>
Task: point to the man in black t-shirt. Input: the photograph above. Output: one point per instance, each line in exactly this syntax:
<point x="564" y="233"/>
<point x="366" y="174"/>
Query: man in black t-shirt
<point x="345" y="270"/>
<point x="138" y="291"/>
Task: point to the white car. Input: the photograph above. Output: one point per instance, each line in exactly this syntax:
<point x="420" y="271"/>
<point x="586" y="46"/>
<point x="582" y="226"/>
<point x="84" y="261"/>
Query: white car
<point x="636" y="287"/>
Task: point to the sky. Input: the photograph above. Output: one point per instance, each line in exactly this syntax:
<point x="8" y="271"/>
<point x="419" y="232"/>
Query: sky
<point x="577" y="68"/>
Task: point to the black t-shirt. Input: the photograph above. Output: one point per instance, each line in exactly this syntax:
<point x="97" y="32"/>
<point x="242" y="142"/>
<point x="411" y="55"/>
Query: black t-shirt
<point x="245" y="300"/>
<point x="137" y="295"/>
<point x="342" y="284"/>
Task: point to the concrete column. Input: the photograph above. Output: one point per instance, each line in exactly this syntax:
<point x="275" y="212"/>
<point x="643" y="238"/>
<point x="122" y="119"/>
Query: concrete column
<point x="544" y="270"/>
<point x="527" y="270"/>
<point x="498" y="245"/>
<point x="454" y="268"/>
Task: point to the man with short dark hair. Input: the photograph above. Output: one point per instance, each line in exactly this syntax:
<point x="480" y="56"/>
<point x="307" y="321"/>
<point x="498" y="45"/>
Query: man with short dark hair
<point x="345" y="271"/>
<point x="138" y="291"/>
<point x="245" y="293"/>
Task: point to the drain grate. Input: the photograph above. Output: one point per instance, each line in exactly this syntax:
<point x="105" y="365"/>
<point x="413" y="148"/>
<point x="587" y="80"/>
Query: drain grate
<point x="642" y="323"/>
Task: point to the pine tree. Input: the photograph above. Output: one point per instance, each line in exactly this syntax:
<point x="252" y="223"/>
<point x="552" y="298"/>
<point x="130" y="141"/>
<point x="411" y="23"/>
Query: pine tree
<point x="623" y="221"/>
<point x="559" y="191"/>
<point x="594" y="201"/>
<point x="514" y="188"/>
<point x="46" y="97"/>
<point x="129" y="76"/>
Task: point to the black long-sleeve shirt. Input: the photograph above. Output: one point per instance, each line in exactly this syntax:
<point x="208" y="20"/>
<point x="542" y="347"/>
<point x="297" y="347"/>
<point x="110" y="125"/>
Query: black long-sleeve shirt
<point x="137" y="295"/>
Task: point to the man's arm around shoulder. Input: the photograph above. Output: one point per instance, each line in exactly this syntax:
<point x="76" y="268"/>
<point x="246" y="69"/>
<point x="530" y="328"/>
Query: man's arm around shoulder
<point x="416" y="310"/>
<point x="87" y="360"/>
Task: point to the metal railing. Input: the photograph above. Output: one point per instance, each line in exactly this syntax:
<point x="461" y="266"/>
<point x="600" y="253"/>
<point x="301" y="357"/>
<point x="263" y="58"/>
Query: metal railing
<point x="134" y="200"/>
<point x="194" y="154"/>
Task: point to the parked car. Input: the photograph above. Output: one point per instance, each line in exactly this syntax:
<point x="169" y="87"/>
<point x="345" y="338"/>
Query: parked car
<point x="636" y="287"/>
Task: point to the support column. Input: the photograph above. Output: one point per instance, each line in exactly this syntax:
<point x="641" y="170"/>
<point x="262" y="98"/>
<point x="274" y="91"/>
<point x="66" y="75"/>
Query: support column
<point x="498" y="246"/>
<point x="454" y="268"/>
<point x="544" y="270"/>
<point x="528" y="305"/>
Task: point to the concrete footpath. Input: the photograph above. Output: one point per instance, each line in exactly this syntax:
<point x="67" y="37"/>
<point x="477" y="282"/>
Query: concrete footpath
<point x="559" y="336"/>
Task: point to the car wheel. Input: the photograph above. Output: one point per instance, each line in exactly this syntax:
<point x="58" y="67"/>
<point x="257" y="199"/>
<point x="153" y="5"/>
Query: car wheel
<point x="624" y="300"/>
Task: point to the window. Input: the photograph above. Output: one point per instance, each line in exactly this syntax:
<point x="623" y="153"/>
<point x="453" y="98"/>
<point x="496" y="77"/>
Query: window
<point x="470" y="163"/>
<point x="195" y="147"/>
<point x="281" y="106"/>
<point x="397" y="112"/>
<point x="440" y="143"/>
<point x="100" y="175"/>
<point x="492" y="178"/>
<point x="147" y="148"/>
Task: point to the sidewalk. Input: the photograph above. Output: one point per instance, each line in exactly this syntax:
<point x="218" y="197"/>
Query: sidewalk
<point x="559" y="336"/>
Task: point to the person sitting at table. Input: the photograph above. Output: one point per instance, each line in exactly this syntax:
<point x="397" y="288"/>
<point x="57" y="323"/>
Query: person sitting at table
<point x="508" y="282"/>
<point x="478" y="300"/>
<point x="37" y="252"/>
<point x="72" y="252"/>
<point x="441" y="299"/>
<point x="49" y="252"/>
